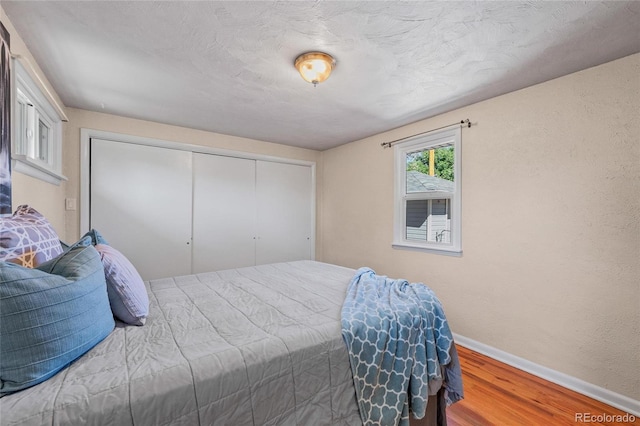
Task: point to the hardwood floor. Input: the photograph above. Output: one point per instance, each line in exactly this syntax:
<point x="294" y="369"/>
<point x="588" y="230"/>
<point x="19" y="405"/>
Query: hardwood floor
<point x="498" y="394"/>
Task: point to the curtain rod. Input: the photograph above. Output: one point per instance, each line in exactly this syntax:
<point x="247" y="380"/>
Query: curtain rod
<point x="388" y="144"/>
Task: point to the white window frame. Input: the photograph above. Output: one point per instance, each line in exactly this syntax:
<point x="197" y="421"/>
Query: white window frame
<point x="419" y="143"/>
<point x="35" y="107"/>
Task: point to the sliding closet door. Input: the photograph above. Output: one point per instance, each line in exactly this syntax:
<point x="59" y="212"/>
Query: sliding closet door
<point x="141" y="203"/>
<point x="224" y="212"/>
<point x="284" y="203"/>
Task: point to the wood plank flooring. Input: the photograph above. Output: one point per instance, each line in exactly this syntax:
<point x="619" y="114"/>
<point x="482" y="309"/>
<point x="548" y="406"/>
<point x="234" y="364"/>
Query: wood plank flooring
<point x="498" y="394"/>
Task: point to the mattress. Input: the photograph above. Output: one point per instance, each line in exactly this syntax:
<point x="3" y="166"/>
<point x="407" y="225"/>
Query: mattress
<point x="251" y="346"/>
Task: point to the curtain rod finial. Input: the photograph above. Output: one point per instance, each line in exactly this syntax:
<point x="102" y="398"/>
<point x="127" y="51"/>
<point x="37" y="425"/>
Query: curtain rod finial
<point x="391" y="143"/>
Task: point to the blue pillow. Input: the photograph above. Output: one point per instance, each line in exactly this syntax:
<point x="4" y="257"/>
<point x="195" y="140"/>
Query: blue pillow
<point x="96" y="237"/>
<point x="50" y="316"/>
<point x="85" y="241"/>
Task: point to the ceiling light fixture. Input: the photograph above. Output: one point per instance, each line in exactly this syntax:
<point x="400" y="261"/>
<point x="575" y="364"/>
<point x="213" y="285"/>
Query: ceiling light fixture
<point x="315" y="67"/>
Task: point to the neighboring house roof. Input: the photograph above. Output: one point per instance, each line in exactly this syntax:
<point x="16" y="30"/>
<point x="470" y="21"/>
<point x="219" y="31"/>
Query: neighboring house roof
<point x="420" y="182"/>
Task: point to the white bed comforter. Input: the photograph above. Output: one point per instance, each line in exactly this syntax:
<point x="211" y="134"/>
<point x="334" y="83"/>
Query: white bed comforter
<point x="251" y="346"/>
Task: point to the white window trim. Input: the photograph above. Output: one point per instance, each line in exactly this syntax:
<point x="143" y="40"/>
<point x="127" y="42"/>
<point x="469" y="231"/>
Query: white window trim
<point x="432" y="140"/>
<point x="24" y="158"/>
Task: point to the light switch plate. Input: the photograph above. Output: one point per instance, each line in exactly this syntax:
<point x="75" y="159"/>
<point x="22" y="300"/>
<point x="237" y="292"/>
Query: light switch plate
<point x="70" y="203"/>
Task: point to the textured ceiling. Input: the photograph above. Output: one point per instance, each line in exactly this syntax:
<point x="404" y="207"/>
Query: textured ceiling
<point x="227" y="67"/>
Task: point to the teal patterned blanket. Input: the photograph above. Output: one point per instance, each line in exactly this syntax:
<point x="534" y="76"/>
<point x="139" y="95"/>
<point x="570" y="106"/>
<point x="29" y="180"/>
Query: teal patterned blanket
<point x="398" y="340"/>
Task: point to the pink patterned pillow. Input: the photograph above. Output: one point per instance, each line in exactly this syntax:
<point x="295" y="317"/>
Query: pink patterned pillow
<point x="27" y="238"/>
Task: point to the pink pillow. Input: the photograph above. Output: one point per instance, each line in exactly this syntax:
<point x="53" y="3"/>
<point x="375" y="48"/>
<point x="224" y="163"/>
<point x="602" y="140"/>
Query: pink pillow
<point x="27" y="238"/>
<point x="127" y="293"/>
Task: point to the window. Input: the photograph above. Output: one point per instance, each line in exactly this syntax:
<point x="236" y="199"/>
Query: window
<point x="427" y="192"/>
<point x="37" y="135"/>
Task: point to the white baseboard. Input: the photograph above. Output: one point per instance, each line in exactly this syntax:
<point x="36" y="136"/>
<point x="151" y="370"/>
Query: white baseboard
<point x="598" y="393"/>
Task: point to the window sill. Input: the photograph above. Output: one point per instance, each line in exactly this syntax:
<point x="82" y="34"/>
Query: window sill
<point x="31" y="167"/>
<point x="446" y="251"/>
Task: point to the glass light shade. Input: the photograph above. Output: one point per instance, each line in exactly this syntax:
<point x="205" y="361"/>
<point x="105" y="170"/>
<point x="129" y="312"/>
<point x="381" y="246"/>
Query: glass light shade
<point x="315" y="67"/>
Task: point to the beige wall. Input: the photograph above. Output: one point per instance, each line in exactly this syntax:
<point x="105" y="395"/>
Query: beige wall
<point x="79" y="119"/>
<point x="551" y="200"/>
<point x="47" y="198"/>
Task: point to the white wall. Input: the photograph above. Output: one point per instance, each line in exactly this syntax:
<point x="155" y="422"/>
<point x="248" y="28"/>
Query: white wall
<point x="551" y="201"/>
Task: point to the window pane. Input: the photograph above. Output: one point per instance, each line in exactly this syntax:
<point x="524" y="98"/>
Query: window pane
<point x="428" y="220"/>
<point x="440" y="221"/>
<point x="21" y="133"/>
<point x="430" y="170"/>
<point x="417" y="213"/>
<point x="43" y="142"/>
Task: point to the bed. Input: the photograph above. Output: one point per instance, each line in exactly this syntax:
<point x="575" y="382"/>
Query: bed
<point x="85" y="341"/>
<point x="251" y="346"/>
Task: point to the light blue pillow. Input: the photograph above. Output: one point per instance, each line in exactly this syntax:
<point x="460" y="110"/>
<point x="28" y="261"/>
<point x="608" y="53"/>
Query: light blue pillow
<point x="85" y="241"/>
<point x="50" y="316"/>
<point x="96" y="237"/>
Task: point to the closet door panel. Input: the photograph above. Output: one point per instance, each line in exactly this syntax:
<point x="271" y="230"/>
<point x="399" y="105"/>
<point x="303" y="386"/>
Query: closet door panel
<point x="284" y="203"/>
<point x="224" y="212"/>
<point x="141" y="203"/>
